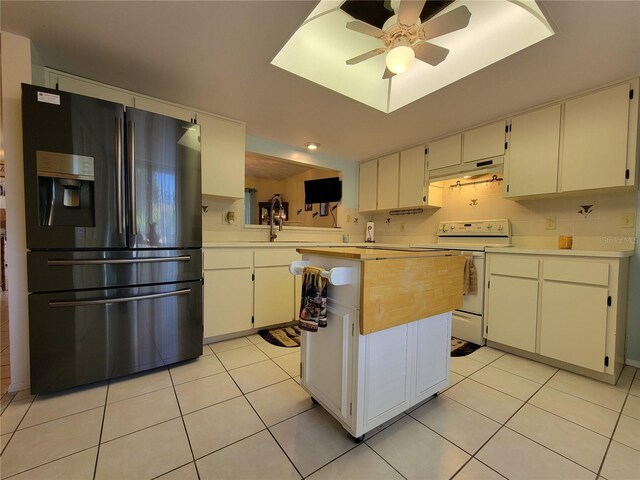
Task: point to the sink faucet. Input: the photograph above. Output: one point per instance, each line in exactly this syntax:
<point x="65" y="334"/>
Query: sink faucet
<point x="275" y="199"/>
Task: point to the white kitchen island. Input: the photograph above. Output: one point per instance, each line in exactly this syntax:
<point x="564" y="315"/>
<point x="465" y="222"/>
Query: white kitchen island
<point x="387" y="343"/>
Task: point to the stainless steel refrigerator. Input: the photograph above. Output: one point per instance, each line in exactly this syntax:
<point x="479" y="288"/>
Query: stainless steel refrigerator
<point x="114" y="233"/>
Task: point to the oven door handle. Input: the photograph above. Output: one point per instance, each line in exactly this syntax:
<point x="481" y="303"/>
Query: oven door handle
<point x="105" y="261"/>
<point x="105" y="301"/>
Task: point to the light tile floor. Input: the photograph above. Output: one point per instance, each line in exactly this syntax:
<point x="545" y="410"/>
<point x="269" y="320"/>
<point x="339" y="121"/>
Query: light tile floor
<point x="239" y="412"/>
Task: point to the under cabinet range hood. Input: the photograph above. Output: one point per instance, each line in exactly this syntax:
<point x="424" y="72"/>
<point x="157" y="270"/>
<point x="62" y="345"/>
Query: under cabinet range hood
<point x="472" y="169"/>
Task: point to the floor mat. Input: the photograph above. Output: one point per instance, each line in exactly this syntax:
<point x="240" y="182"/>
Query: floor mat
<point x="282" y="337"/>
<point x="460" y="348"/>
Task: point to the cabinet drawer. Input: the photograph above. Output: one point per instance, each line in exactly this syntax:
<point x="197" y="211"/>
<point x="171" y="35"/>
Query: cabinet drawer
<point x="272" y="257"/>
<point x="592" y="273"/>
<point x="514" y="266"/>
<point x="218" y="258"/>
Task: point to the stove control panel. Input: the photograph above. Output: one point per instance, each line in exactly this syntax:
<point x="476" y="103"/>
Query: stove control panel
<point x="475" y="228"/>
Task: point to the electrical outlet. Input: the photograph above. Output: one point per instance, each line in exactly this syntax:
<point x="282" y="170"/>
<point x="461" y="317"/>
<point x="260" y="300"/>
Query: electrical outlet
<point x="348" y="218"/>
<point x="550" y="222"/>
<point x="628" y="220"/>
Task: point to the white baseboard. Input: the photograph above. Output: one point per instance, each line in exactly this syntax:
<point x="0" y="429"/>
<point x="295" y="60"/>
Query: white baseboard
<point x="633" y="363"/>
<point x="16" y="387"/>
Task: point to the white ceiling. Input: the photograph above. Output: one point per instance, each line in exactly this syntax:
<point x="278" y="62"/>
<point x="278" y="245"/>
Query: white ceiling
<point x="497" y="29"/>
<point x="215" y="55"/>
<point x="263" y="166"/>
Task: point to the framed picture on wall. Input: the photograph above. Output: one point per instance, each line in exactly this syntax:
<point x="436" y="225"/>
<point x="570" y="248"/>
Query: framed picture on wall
<point x="308" y="207"/>
<point x="324" y="209"/>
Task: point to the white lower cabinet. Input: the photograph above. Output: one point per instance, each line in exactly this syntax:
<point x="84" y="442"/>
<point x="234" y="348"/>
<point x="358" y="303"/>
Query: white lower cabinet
<point x="274" y="296"/>
<point x="228" y="301"/>
<point x="247" y="288"/>
<point x="512" y="286"/>
<point x="365" y="380"/>
<point x="570" y="312"/>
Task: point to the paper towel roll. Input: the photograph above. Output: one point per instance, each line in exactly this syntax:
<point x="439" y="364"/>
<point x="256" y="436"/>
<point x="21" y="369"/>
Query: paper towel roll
<point x="369" y="235"/>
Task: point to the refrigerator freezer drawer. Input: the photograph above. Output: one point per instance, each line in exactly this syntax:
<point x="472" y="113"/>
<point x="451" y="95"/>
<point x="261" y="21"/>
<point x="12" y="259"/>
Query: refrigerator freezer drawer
<point x="57" y="271"/>
<point x="93" y="335"/>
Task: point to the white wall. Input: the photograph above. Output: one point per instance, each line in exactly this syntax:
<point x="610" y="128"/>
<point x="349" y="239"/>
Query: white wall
<point x="16" y="68"/>
<point x="633" y="319"/>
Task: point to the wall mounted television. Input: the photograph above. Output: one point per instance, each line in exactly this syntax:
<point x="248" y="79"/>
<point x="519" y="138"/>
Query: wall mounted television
<point x="323" y="190"/>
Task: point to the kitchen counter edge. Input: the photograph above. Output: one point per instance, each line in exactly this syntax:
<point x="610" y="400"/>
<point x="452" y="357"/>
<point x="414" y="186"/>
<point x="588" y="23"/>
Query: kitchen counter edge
<point x="562" y="252"/>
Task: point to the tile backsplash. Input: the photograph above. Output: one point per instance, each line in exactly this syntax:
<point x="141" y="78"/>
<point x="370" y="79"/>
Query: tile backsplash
<point x="598" y="217"/>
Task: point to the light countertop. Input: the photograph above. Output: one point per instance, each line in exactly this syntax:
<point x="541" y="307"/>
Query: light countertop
<point x="291" y="244"/>
<point x="563" y="252"/>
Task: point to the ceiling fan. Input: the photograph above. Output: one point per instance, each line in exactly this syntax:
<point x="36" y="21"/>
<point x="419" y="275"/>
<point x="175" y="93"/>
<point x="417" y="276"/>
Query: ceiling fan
<point x="406" y="38"/>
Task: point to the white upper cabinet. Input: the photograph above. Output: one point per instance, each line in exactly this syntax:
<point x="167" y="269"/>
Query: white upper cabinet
<point x="223" y="154"/>
<point x="388" y="173"/>
<point x="446" y="152"/>
<point x="368" y="186"/>
<point x="89" y="88"/>
<point x="484" y="142"/>
<point x="531" y="163"/>
<point x="599" y="141"/>
<point x="412" y="177"/>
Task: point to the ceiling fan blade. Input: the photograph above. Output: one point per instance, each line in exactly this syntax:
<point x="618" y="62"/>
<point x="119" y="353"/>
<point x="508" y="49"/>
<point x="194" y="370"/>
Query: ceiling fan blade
<point x="365" y="28"/>
<point x="430" y="53"/>
<point x="409" y="11"/>
<point x="447" y="23"/>
<point x="365" y="56"/>
<point x="387" y="74"/>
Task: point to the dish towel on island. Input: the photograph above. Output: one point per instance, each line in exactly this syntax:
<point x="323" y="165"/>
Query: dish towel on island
<point x="470" y="276"/>
<point x="313" y="308"/>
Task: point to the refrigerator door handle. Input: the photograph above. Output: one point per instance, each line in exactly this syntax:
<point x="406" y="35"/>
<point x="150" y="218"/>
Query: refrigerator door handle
<point x="105" y="261"/>
<point x="120" y="212"/>
<point x="104" y="301"/>
<point x="131" y="138"/>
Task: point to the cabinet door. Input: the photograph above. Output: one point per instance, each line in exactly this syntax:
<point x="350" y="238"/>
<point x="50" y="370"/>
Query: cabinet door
<point x="163" y="108"/>
<point x="81" y="86"/>
<point x="222" y="156"/>
<point x="531" y="164"/>
<point x="273" y="296"/>
<point x="388" y="169"/>
<point x="384" y="371"/>
<point x="327" y="361"/>
<point x="512" y="311"/>
<point x="368" y="186"/>
<point x="574" y="324"/>
<point x="228" y="301"/>
<point x="412" y="178"/>
<point x="433" y="347"/>
<point x="594" y="150"/>
<point x="484" y="142"/>
<point x="446" y="152"/>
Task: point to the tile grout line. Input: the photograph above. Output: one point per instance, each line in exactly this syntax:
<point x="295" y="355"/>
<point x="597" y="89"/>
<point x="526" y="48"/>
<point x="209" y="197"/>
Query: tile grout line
<point x="18" y="426"/>
<point x="536" y="442"/>
<point x="104" y="415"/>
<point x="606" y="451"/>
<point x="383" y="459"/>
<point x="263" y="422"/>
<point x="184" y="425"/>
<point x="503" y="425"/>
<point x="49" y="462"/>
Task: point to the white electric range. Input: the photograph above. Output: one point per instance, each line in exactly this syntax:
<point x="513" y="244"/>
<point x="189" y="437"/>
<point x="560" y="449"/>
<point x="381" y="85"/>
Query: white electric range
<point x="471" y="237"/>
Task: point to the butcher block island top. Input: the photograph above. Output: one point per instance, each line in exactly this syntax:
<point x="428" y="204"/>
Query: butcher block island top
<point x="399" y="286"/>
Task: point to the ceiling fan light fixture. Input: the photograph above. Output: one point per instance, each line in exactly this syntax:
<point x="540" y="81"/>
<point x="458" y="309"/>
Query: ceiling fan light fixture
<point x="399" y="59"/>
<point x="311" y="145"/>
